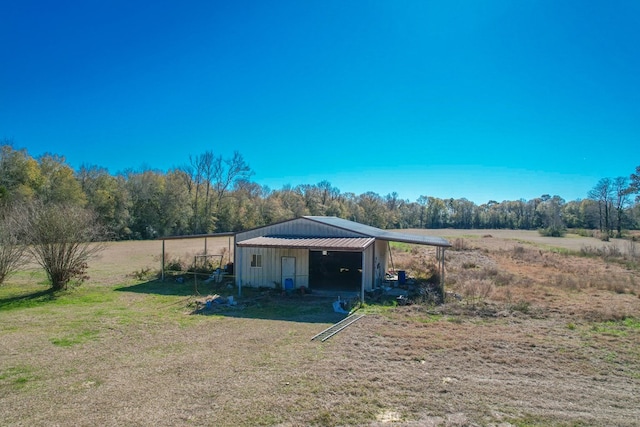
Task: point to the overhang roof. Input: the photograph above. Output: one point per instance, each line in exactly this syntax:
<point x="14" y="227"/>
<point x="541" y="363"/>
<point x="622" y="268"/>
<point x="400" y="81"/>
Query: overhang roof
<point x="319" y="243"/>
<point x="391" y="236"/>
<point x="355" y="227"/>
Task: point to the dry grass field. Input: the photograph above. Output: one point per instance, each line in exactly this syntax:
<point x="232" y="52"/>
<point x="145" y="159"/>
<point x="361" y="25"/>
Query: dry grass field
<point x="546" y="333"/>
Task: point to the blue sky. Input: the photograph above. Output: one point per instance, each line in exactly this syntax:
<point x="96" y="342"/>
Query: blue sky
<point x="491" y="100"/>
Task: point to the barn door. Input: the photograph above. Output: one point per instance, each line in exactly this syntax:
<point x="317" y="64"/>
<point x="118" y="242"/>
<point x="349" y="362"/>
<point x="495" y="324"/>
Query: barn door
<point x="288" y="271"/>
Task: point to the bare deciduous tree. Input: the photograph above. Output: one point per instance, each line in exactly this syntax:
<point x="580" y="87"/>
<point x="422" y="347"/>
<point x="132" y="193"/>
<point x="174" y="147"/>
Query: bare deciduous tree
<point x="622" y="199"/>
<point x="603" y="194"/>
<point x="62" y="239"/>
<point x="12" y="251"/>
<point x="634" y="186"/>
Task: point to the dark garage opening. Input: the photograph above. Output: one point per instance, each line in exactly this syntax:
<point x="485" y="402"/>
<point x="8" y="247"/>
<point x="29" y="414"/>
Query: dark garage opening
<point x="335" y="270"/>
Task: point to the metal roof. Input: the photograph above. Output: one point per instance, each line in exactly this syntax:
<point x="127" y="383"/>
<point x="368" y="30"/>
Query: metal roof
<point x="198" y="236"/>
<point x="332" y="221"/>
<point x="342" y="243"/>
<point x="391" y="236"/>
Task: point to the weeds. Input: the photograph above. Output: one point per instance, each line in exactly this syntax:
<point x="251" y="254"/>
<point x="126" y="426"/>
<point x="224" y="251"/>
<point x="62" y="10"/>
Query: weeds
<point x="144" y="273"/>
<point x="423" y="269"/>
<point x="459" y="244"/>
<point x="476" y="290"/>
<point x="175" y="264"/>
<point x="522" y="306"/>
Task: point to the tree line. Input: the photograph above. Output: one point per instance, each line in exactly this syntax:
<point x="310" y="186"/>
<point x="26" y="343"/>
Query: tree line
<point x="211" y="193"/>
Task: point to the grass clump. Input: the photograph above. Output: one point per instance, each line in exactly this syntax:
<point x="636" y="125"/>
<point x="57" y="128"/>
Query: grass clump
<point x="17" y="376"/>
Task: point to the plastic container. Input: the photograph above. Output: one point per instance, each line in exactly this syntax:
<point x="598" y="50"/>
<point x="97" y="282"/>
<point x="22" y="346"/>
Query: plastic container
<point x="288" y="285"/>
<point x="402" y="277"/>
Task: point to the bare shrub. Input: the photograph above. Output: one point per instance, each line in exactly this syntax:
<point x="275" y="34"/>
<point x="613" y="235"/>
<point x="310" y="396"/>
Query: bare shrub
<point x="12" y="251"/>
<point x="62" y="239"/>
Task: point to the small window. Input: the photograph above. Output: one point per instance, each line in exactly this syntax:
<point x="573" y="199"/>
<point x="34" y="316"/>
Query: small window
<point x="256" y="260"/>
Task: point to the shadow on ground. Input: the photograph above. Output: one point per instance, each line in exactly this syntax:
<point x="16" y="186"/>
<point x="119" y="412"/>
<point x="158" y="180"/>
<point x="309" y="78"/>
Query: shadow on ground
<point x="254" y="303"/>
<point x="295" y="308"/>
<point x="28" y="299"/>
<point x="158" y="287"/>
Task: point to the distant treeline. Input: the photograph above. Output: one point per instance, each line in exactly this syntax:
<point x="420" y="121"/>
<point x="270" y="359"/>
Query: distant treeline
<point x="215" y="194"/>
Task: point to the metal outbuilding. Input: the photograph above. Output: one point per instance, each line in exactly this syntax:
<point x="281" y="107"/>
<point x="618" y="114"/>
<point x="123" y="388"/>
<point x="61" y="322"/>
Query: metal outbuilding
<point x="320" y="253"/>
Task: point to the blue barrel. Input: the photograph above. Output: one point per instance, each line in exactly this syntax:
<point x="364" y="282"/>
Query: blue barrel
<point x="288" y="284"/>
<point x="402" y="277"/>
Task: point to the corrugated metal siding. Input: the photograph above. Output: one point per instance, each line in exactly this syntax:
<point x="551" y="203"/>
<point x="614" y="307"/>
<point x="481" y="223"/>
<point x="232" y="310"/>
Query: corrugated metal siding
<point x="271" y="270"/>
<point x="301" y="227"/>
<point x="345" y="224"/>
<point x="367" y="268"/>
<point x="381" y="257"/>
<point x="316" y="243"/>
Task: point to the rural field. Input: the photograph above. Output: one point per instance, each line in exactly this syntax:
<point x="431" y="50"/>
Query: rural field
<point x="534" y="332"/>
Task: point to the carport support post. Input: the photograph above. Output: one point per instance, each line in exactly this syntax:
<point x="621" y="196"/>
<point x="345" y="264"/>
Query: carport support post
<point x="162" y="271"/>
<point x="362" y="281"/>
<point x="442" y="270"/>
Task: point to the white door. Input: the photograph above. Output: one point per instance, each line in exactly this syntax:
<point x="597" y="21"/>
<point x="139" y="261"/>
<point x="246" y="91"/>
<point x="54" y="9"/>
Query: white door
<point x="288" y="271"/>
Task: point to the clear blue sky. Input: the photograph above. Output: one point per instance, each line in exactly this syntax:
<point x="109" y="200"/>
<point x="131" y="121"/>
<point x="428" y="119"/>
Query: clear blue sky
<point x="479" y="99"/>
